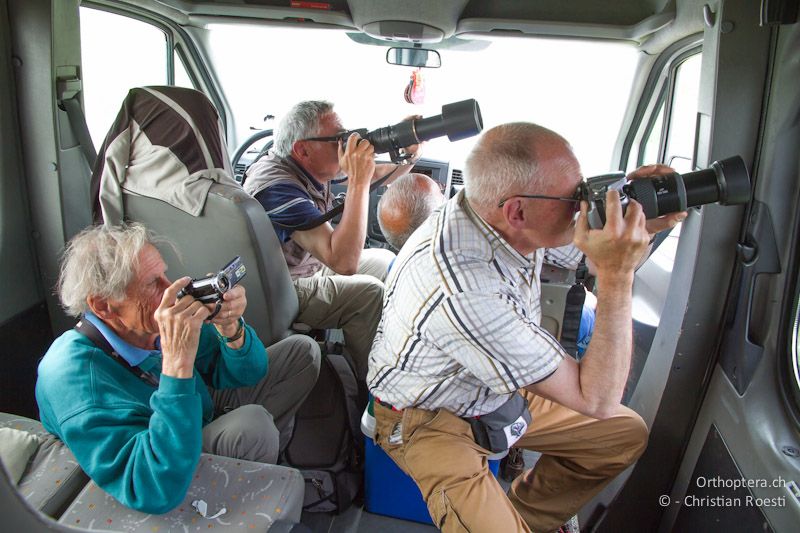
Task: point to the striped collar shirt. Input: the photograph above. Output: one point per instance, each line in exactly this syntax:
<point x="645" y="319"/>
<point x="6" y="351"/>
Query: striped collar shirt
<point x="460" y="327"/>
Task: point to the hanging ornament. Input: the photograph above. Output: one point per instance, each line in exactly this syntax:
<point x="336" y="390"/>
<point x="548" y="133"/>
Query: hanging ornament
<point x="415" y="90"/>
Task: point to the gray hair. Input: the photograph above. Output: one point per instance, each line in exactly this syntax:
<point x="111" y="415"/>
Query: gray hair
<point x="504" y="162"/>
<point x="301" y="122"/>
<point x="100" y="261"/>
<point x="409" y="205"/>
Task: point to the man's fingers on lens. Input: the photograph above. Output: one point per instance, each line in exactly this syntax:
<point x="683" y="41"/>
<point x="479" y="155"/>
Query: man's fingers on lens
<point x="650" y="170"/>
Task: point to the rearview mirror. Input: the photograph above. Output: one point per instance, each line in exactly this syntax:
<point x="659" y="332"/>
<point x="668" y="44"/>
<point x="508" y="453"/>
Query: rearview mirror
<point x="413" y="57"/>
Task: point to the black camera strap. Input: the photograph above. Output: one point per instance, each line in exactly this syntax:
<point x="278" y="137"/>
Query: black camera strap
<point x="573" y="309"/>
<point x="325" y="217"/>
<point x="90" y="331"/>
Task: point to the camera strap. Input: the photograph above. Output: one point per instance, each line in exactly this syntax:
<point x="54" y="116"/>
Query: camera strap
<point x="573" y="309"/>
<point x="90" y="331"/>
<point x="325" y="217"/>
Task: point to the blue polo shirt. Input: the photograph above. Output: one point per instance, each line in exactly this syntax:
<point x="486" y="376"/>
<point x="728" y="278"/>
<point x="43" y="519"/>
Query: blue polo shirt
<point x="290" y="205"/>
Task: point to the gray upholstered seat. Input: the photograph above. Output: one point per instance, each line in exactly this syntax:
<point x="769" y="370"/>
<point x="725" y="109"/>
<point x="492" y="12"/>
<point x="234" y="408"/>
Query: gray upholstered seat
<point x="254" y="495"/>
<point x="164" y="164"/>
<point x="232" y="223"/>
<point x="52" y="478"/>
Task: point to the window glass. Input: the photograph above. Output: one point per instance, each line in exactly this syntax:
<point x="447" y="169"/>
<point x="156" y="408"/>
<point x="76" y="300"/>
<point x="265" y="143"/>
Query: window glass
<point x="112" y="65"/>
<point x="653" y="143"/>
<point x="182" y="78"/>
<point x="683" y="115"/>
<point x="577" y="88"/>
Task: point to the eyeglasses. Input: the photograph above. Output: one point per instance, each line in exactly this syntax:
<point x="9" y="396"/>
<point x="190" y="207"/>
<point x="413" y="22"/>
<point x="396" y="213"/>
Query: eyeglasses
<point x="340" y="136"/>
<point x="575" y="198"/>
<point x="331" y="139"/>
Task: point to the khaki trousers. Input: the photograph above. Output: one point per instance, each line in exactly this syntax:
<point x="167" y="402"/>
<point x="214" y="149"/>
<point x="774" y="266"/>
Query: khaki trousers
<point x="255" y="423"/>
<point x="580" y="455"/>
<point x="352" y="303"/>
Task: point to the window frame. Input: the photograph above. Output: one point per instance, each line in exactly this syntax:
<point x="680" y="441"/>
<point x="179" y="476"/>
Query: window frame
<point x="659" y="85"/>
<point x="178" y="41"/>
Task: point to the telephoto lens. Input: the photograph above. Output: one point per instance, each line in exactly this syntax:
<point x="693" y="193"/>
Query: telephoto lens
<point x="458" y="121"/>
<point x="725" y="182"/>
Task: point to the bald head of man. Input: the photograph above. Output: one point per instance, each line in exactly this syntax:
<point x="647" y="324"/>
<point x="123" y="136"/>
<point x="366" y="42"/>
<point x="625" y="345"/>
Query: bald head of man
<point x="405" y="205"/>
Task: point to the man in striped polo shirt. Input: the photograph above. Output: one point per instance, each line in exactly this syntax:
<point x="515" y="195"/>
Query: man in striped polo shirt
<point x="338" y="282"/>
<point x="460" y="337"/>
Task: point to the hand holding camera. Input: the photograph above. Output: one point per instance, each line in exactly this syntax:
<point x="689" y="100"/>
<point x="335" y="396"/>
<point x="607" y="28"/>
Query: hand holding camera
<point x="221" y="295"/>
<point x="357" y="160"/>
<point x="617" y="247"/>
<point x="663" y="222"/>
<point x="179" y="321"/>
<point x="661" y="191"/>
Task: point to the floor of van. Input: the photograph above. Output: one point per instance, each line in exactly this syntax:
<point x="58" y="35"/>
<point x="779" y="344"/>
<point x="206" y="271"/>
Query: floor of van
<point x="357" y="520"/>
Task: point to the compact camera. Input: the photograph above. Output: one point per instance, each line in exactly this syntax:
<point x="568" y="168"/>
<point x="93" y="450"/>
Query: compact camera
<point x="726" y="182"/>
<point x="210" y="290"/>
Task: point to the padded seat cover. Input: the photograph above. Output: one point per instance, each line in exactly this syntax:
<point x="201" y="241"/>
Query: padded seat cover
<point x="255" y="496"/>
<point x="53" y="477"/>
<point x="164" y="163"/>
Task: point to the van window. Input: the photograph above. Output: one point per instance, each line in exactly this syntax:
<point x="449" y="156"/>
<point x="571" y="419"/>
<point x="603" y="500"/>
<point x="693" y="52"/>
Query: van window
<point x="112" y="66"/>
<point x="577" y="88"/>
<point x="673" y="143"/>
<point x="683" y="115"/>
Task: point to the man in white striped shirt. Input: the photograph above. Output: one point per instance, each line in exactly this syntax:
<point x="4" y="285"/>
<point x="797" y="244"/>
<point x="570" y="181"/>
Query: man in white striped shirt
<point x="460" y="337"/>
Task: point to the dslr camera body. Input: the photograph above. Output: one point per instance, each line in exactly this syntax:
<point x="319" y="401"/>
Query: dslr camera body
<point x="725" y="182"/>
<point x="209" y="290"/>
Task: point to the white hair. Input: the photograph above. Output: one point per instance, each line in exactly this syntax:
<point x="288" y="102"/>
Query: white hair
<point x="301" y="122"/>
<point x="100" y="261"/>
<point x="413" y="204"/>
<point x="504" y="162"/>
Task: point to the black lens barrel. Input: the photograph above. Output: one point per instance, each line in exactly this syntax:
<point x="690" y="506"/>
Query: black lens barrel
<point x="726" y="181"/>
<point x="701" y="187"/>
<point x="458" y="121"/>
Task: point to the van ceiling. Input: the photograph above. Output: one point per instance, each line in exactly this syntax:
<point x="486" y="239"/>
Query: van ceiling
<point x="630" y="20"/>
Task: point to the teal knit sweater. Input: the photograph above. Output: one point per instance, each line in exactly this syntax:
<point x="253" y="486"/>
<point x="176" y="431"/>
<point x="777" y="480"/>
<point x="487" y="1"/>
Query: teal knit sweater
<point x="139" y="443"/>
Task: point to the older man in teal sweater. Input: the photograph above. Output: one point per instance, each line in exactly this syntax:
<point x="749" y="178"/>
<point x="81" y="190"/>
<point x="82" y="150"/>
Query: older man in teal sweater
<point x="138" y="414"/>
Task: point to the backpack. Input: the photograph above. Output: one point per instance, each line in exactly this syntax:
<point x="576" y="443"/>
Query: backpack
<point x="326" y="444"/>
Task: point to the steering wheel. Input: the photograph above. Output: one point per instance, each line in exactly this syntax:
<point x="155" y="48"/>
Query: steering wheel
<point x="245" y="146"/>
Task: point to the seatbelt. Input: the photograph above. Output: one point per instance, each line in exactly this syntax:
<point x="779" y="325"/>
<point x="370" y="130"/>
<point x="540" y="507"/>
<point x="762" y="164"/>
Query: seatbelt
<point x="77" y="123"/>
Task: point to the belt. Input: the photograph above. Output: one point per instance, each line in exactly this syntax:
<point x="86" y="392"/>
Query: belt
<point x="387" y="405"/>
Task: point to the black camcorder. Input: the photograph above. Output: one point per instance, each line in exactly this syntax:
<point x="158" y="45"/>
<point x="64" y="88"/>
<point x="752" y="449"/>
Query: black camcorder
<point x="725" y="182"/>
<point x="209" y="290"/>
<point x="458" y="121"/>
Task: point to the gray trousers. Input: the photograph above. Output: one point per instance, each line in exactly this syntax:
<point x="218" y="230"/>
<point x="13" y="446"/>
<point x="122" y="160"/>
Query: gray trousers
<point x="352" y="303"/>
<point x="256" y="422"/>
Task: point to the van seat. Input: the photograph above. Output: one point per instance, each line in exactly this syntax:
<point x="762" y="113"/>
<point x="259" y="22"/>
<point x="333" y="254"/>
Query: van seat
<point x="256" y="496"/>
<point x="52" y="478"/>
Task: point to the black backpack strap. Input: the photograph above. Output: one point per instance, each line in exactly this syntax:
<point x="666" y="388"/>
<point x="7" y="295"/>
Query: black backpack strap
<point x="90" y="331"/>
<point x="573" y="308"/>
<point x="347" y="378"/>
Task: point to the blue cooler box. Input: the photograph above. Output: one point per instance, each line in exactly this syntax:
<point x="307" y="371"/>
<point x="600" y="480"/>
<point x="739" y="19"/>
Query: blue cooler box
<point x="388" y="490"/>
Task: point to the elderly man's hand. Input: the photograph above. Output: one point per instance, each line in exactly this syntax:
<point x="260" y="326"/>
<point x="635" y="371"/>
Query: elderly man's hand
<point x="415" y="150"/>
<point x="656" y="225"/>
<point x="357" y="160"/>
<point x="234" y="302"/>
<point x="179" y="322"/>
<point x="614" y="250"/>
